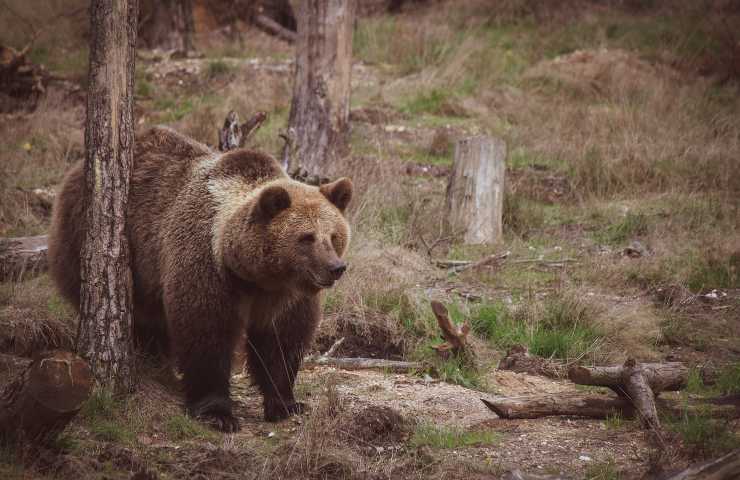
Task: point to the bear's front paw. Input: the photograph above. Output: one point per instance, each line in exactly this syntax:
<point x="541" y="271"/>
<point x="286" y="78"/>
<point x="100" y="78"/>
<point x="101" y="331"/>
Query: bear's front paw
<point x="215" y="411"/>
<point x="275" y="411"/>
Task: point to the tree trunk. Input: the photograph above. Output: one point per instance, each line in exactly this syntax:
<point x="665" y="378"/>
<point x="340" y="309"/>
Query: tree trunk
<point x="104" y="335"/>
<point x="319" y="112"/>
<point x="577" y="405"/>
<point x="167" y="24"/>
<point x="37" y="405"/>
<point x="475" y="192"/>
<point x="22" y="257"/>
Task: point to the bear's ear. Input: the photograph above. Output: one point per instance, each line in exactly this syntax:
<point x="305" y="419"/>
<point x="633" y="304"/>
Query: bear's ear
<point x="272" y="201"/>
<point x="338" y="192"/>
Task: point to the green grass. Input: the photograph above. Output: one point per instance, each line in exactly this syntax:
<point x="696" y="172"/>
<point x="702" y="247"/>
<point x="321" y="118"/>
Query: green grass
<point x="714" y="270"/>
<point x="605" y="470"/>
<point x="614" y="421"/>
<point x="726" y="382"/>
<point x="434" y="102"/>
<point x="632" y="225"/>
<point x="182" y="427"/>
<point x="704" y="436"/>
<point x="561" y="329"/>
<point x="218" y="68"/>
<point x="451" y="437"/>
<point x="103" y="413"/>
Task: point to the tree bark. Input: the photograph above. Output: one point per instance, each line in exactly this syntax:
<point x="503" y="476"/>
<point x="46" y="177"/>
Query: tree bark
<point x="319" y="111"/>
<point x="37" y="405"/>
<point x="475" y="192"/>
<point x="22" y="257"/>
<point x="577" y="405"/>
<point x="168" y="24"/>
<point x="104" y="337"/>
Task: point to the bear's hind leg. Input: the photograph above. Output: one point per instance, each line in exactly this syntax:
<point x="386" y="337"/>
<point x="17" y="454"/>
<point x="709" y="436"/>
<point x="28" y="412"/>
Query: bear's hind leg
<point x="275" y="348"/>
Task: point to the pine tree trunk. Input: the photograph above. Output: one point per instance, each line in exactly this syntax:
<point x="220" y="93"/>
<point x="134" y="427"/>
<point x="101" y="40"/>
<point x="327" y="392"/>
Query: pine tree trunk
<point x="104" y="337"/>
<point x="319" y="112"/>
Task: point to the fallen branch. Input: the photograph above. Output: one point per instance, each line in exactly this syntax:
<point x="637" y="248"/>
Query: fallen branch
<point x="726" y="467"/>
<point x="576" y="405"/>
<point x="360" y="363"/>
<point x="639" y="383"/>
<point x="39" y="403"/>
<point x="22" y="257"/>
<point x="274" y="28"/>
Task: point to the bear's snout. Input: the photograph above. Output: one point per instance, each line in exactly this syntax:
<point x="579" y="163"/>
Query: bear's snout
<point x="337" y="269"/>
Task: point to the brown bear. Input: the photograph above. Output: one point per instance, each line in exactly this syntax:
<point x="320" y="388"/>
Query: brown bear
<point x="220" y="243"/>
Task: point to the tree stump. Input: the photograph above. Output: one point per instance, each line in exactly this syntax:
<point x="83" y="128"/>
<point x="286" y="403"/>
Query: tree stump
<point x="639" y="383"/>
<point x="455" y="336"/>
<point x="319" y="111"/>
<point x="22" y="257"/>
<point x="39" y="403"/>
<point x="475" y="192"/>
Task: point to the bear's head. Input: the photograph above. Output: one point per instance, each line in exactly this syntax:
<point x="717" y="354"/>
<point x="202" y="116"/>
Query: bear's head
<point x="289" y="235"/>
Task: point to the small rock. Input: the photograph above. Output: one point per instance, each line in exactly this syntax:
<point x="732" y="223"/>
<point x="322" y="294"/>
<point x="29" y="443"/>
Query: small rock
<point x="584" y="458"/>
<point x="271" y="434"/>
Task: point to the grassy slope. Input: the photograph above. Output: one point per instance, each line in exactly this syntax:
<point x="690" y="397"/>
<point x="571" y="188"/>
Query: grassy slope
<point x="635" y="146"/>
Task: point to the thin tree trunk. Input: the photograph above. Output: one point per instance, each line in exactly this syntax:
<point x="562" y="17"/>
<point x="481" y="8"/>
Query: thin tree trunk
<point x="319" y="112"/>
<point x="104" y="336"/>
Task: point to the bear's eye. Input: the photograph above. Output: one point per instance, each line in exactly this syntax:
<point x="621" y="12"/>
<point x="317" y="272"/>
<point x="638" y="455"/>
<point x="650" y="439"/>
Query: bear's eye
<point x="307" y="238"/>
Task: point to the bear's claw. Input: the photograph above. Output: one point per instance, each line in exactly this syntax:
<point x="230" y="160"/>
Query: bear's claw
<point x="216" y="411"/>
<point x="279" y="411"/>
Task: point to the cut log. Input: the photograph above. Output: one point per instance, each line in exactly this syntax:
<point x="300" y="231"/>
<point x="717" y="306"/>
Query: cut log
<point x="475" y="192"/>
<point x="640" y="383"/>
<point x="363" y="363"/>
<point x="43" y="398"/>
<point x="726" y="467"/>
<point x="576" y="405"/>
<point x="22" y="257"/>
<point x="319" y="110"/>
<point x="519" y="360"/>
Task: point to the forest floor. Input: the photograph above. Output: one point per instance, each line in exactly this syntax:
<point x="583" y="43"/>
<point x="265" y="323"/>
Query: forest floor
<point x="621" y="223"/>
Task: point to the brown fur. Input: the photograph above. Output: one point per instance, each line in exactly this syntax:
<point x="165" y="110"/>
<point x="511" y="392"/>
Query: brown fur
<point x="220" y="243"/>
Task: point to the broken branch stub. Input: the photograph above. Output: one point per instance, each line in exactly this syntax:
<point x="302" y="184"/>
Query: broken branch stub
<point x="455" y="336"/>
<point x="235" y="135"/>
